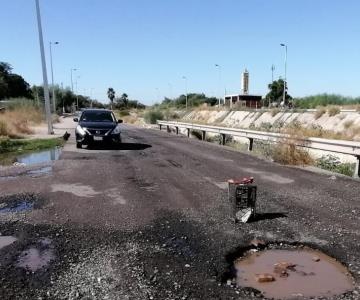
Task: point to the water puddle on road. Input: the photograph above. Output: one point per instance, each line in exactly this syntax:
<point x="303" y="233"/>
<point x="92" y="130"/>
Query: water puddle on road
<point x="6" y="241"/>
<point x="39" y="157"/>
<point x="38" y="257"/>
<point x="20" y="202"/>
<point x="18" y="206"/>
<point x="290" y="274"/>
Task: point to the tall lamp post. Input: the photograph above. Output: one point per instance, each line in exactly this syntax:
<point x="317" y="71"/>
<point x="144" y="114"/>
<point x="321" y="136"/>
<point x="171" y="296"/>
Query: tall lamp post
<point x="76" y="92"/>
<point x="219" y="86"/>
<point x="52" y="75"/>
<point x="186" y="90"/>
<point x="43" y="63"/>
<point x="284" y="94"/>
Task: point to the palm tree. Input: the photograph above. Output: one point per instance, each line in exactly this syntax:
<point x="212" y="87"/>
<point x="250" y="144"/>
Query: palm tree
<point x="111" y="96"/>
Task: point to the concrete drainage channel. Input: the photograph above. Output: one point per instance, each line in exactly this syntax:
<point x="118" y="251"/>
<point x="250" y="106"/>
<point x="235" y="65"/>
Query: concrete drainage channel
<point x="283" y="271"/>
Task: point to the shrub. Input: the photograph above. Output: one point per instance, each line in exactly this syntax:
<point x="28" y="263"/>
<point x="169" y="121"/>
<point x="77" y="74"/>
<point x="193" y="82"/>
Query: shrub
<point x="123" y="113"/>
<point x="348" y="124"/>
<point x="319" y="112"/>
<point x="274" y="112"/>
<point x="267" y="126"/>
<point x="152" y="116"/>
<point x="333" y="110"/>
<point x="290" y="154"/>
<point x="332" y="163"/>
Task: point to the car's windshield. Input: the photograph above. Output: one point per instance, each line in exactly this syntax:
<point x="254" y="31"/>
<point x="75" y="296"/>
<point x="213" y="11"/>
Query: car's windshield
<point x="97" y="116"/>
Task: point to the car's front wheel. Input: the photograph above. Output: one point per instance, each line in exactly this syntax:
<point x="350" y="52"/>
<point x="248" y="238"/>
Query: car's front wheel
<point x="78" y="145"/>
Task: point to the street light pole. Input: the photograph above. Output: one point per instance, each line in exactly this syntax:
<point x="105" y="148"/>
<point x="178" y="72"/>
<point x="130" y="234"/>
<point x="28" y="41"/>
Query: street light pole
<point x="43" y="63"/>
<point x="52" y="76"/>
<point x="186" y="89"/>
<point x="285" y="81"/>
<point x="219" y="86"/>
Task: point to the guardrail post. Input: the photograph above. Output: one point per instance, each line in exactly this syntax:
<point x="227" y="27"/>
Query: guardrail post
<point x="168" y="128"/>
<point x="203" y="136"/>
<point x="251" y="143"/>
<point x="160" y="126"/>
<point x="357" y="167"/>
<point x="223" y="139"/>
<point x="188" y="132"/>
<point x="177" y="130"/>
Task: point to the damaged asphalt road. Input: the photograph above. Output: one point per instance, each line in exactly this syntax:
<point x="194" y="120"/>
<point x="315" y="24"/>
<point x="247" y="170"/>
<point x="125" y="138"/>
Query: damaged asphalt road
<point x="150" y="220"/>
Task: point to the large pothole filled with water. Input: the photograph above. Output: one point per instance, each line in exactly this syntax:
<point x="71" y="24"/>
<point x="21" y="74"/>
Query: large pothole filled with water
<point x="293" y="273"/>
<point x="20" y="203"/>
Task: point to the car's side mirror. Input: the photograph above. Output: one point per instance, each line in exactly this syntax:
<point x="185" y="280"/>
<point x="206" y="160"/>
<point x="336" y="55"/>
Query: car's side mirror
<point x="120" y="121"/>
<point x="76" y="120"/>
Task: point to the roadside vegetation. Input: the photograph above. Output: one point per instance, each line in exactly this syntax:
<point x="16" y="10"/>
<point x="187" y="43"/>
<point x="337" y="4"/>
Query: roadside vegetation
<point x="18" y="117"/>
<point x="333" y="164"/>
<point x="315" y="101"/>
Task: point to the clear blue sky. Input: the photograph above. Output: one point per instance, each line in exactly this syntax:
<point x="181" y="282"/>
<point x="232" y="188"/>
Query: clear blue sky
<point x="139" y="46"/>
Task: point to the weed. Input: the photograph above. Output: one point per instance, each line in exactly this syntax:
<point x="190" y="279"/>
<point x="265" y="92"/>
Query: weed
<point x="21" y="146"/>
<point x="266" y="126"/>
<point x="319" y="112"/>
<point x="333" y="110"/>
<point x="274" y="111"/>
<point x="123" y="113"/>
<point x="348" y="124"/>
<point x="152" y="116"/>
<point x="332" y="163"/>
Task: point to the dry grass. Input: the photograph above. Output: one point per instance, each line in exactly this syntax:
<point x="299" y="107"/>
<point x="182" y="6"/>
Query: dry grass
<point x="14" y="123"/>
<point x="319" y="112"/>
<point x="348" y="124"/>
<point x="291" y="151"/>
<point x="333" y="110"/>
<point x="274" y="111"/>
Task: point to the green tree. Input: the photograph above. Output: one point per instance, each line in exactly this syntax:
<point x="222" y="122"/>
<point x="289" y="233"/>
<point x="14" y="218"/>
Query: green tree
<point x="276" y="93"/>
<point x="12" y="85"/>
<point x="124" y="99"/>
<point x="111" y="96"/>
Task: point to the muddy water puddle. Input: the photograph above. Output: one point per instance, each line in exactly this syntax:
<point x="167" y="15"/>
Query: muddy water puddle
<point x="6" y="241"/>
<point x="288" y="274"/>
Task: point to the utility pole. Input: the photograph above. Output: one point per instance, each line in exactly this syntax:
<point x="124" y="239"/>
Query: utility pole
<point x="272" y="73"/>
<point x="52" y="76"/>
<point x="284" y="94"/>
<point x="186" y="90"/>
<point x="219" y="86"/>
<point x="43" y="63"/>
<point x="72" y="84"/>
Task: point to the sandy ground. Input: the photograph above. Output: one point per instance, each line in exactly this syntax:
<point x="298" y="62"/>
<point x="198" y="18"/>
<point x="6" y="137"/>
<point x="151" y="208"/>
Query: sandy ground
<point x="65" y="124"/>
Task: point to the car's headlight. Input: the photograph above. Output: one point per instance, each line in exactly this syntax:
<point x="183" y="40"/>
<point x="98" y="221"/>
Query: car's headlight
<point x="80" y="130"/>
<point x="116" y="130"/>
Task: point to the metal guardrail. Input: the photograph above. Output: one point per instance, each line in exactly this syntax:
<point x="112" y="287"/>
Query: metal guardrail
<point x="336" y="146"/>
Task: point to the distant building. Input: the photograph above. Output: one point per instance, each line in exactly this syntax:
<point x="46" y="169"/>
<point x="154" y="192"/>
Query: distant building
<point x="244" y="99"/>
<point x="250" y="101"/>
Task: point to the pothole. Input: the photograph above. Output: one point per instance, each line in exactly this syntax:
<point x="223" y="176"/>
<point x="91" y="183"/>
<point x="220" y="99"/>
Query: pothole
<point x="37" y="256"/>
<point x="292" y="273"/>
<point x="19" y="203"/>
